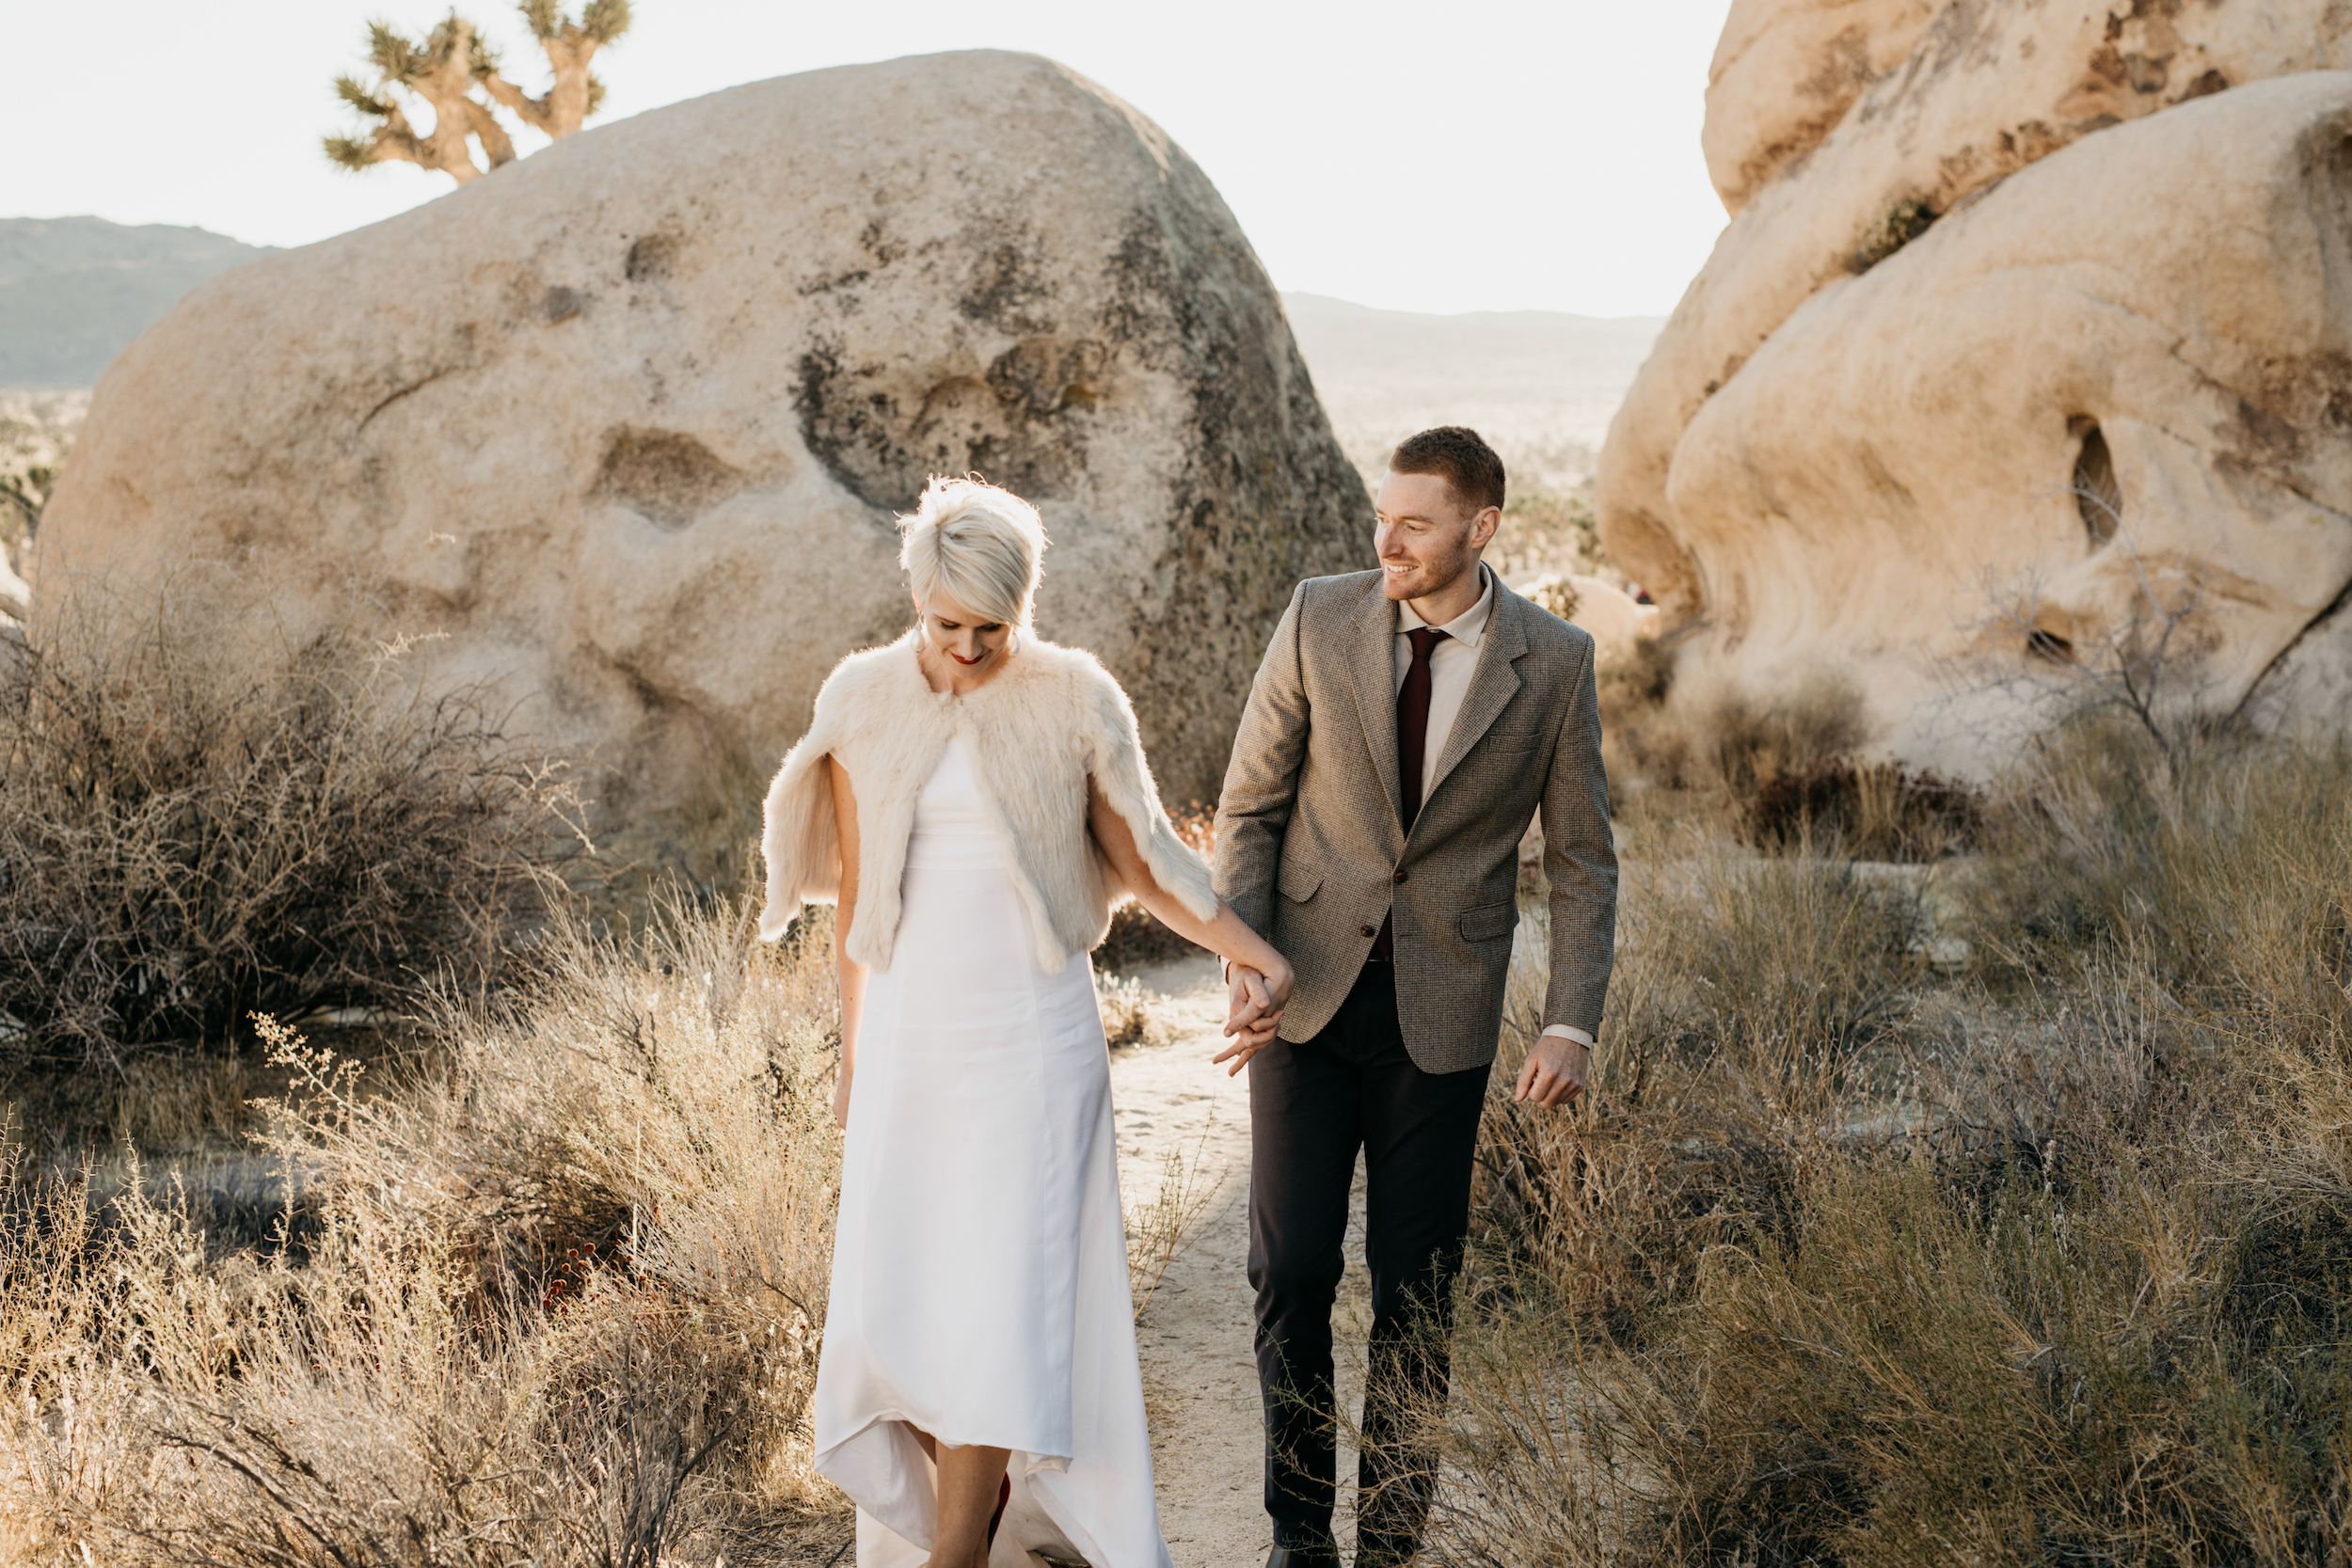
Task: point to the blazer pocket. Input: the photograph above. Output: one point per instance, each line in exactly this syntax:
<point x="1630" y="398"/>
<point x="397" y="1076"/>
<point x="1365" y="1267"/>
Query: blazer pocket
<point x="1297" y="884"/>
<point x="1489" y="922"/>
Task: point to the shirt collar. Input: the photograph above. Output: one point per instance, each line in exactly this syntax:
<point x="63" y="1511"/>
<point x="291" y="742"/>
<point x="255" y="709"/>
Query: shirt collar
<point x="1466" y="628"/>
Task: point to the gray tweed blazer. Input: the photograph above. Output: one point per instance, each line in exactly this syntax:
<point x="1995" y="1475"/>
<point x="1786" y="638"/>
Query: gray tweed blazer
<point x="1310" y="850"/>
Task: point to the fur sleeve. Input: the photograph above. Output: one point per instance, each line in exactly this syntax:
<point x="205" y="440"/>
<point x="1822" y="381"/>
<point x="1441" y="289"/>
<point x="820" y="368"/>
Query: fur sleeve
<point x="1124" y="776"/>
<point x="798" y="836"/>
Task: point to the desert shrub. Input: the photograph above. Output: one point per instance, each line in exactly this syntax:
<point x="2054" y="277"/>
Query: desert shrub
<point x="2047" y="1263"/>
<point x="1132" y="1014"/>
<point x="2044" y="1378"/>
<point x="1544" y="531"/>
<point x="1719" y="747"/>
<point x="559" y="1300"/>
<point x="2233" y="879"/>
<point x="1641" y="679"/>
<point x="1752" y="1003"/>
<point x="1644" y="745"/>
<point x="1875" y="812"/>
<point x="196" y="827"/>
<point x="1753" y="741"/>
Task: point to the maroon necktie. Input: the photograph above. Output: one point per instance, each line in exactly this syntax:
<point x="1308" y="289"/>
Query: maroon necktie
<point x="1412" y="747"/>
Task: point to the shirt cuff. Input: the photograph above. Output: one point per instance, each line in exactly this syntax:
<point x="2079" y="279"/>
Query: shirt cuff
<point x="1565" y="1031"/>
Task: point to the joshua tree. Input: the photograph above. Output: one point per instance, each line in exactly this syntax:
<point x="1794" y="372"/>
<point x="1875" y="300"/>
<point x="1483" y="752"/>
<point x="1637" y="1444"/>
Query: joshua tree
<point x="445" y="68"/>
<point x="569" y="46"/>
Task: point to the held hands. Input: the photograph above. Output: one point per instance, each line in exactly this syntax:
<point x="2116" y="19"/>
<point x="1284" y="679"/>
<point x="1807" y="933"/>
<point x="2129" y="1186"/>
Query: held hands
<point x="1252" y="1014"/>
<point x="1552" y="1076"/>
<point x="1554" y="1071"/>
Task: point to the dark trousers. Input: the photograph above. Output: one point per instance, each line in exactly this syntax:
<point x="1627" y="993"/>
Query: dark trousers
<point x="1311" y="1107"/>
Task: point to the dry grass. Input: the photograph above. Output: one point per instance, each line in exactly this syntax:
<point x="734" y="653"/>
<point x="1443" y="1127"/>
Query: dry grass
<point x="1784" y="775"/>
<point x="549" y="1287"/>
<point x="1132" y="1014"/>
<point x="1851" y="1261"/>
<point x="1873" y="811"/>
<point x="1160" y="1230"/>
<point x="557" y="1299"/>
<point x="535" y="1272"/>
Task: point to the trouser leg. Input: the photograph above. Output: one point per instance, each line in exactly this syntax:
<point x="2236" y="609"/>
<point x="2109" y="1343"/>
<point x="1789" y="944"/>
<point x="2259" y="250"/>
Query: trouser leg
<point x="1421" y="1137"/>
<point x="1304" y="1135"/>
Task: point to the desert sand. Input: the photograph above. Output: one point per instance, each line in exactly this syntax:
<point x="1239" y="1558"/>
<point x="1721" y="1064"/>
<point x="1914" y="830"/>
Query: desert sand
<point x="1198" y="1378"/>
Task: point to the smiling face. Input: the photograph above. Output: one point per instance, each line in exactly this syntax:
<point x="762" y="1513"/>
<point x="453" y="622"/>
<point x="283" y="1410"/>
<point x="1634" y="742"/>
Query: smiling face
<point x="1427" y="539"/>
<point x="972" y="647"/>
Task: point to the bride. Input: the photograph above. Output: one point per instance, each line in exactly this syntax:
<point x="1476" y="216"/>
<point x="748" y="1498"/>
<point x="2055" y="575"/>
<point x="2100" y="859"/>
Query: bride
<point x="975" y="799"/>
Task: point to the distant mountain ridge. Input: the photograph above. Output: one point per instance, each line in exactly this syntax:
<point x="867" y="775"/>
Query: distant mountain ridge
<point x="1541" y="385"/>
<point x="1547" y="350"/>
<point x="75" y="291"/>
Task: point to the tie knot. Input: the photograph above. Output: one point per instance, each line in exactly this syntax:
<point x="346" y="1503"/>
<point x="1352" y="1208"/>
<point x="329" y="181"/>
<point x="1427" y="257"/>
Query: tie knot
<point x="1424" y="639"/>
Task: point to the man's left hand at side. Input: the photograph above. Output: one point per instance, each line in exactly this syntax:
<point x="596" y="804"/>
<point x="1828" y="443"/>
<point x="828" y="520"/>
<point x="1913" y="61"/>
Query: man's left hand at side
<point x="1554" y="1071"/>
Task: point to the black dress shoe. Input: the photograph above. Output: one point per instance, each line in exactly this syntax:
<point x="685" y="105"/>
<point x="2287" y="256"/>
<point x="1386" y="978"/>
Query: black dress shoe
<point x="1303" y="1556"/>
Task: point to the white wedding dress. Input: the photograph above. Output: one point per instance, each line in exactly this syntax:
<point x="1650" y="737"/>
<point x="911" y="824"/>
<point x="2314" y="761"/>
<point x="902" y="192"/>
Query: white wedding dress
<point x="979" y="1266"/>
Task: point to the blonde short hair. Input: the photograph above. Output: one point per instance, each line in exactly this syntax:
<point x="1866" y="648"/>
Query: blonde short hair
<point x="981" y="545"/>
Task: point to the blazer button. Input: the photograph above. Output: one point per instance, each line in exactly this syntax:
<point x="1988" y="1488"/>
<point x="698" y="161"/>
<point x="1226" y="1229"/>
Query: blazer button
<point x="1370" y="932"/>
<point x="1400" y="875"/>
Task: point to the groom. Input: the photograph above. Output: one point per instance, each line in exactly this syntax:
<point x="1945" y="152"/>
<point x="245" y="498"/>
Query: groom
<point x="1406" y="725"/>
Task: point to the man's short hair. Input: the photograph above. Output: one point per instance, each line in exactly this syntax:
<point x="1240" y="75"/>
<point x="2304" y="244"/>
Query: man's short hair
<point x="1461" y="457"/>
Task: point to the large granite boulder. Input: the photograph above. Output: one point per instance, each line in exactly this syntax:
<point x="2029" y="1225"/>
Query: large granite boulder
<point x="628" y="420"/>
<point x="2120" y="386"/>
<point x="1785" y="73"/>
<point x="2055" y="244"/>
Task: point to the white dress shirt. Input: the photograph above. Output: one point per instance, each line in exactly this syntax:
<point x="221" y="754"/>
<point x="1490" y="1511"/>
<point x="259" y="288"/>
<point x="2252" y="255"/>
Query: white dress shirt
<point x="1451" y="665"/>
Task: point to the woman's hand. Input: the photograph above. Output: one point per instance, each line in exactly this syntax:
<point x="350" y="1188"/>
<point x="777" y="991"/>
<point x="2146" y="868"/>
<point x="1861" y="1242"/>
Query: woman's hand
<point x="841" y="1100"/>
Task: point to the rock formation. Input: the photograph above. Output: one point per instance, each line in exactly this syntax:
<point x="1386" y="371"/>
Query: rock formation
<point x="1616" y="621"/>
<point x="1785" y="73"/>
<point x="628" y="420"/>
<point x="2046" y="336"/>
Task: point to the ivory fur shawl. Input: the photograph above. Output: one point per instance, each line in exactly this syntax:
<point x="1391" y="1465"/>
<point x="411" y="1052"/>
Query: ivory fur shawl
<point x="1050" y="718"/>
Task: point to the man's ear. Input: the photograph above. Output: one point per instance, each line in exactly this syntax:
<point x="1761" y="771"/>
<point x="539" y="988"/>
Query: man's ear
<point x="1483" y="527"/>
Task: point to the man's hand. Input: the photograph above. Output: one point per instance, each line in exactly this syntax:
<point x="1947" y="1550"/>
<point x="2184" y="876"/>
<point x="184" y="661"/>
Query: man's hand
<point x="1554" y="1071"/>
<point x="1253" y="1013"/>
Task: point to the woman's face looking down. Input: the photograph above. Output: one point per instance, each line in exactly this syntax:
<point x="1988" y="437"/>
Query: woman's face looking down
<point x="973" y="646"/>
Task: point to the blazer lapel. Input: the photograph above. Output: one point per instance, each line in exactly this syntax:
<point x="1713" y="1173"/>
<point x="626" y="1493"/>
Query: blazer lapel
<point x="1493" y="684"/>
<point x="1372" y="670"/>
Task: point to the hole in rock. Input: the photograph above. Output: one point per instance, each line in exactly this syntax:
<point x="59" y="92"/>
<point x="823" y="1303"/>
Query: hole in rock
<point x="671" y="478"/>
<point x="2098" y="493"/>
<point x="2050" y="646"/>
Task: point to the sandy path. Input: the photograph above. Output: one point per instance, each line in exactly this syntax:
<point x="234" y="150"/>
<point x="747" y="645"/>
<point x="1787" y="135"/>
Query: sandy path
<point x="1199" y="1380"/>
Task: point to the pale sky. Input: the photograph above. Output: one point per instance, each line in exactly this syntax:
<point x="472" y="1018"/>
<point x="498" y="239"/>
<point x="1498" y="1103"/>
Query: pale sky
<point x="1478" y="155"/>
